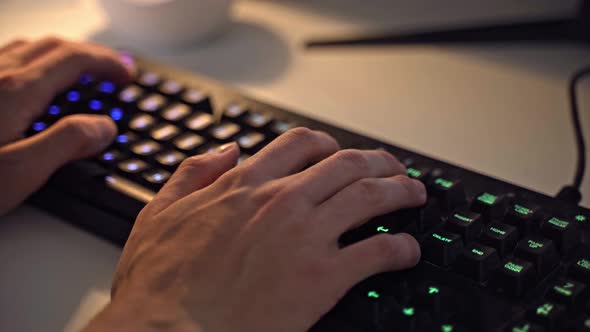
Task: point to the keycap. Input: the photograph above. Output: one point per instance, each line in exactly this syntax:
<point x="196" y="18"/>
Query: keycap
<point x="258" y="119"/>
<point x="149" y="79"/>
<point x="156" y="176"/>
<point x="465" y="223"/>
<point x="195" y="97"/>
<point x="199" y="121"/>
<point x="132" y="166"/>
<point x="125" y="139"/>
<point x="235" y="111"/>
<point x="224" y="131"/>
<point x="419" y="173"/>
<point x="539" y="251"/>
<point x="188" y="142"/>
<point x="582" y="220"/>
<point x="142" y="122"/>
<point x="501" y="237"/>
<point x="428" y="298"/>
<point x="478" y="262"/>
<point x="117" y="114"/>
<point x="131" y="94"/>
<point x="106" y="87"/>
<point x="524" y="326"/>
<point x="164" y="132"/>
<point x="547" y="314"/>
<point x="146" y="148"/>
<point x="580" y="269"/>
<point x="95" y="105"/>
<point x="491" y="206"/>
<point x="171" y="87"/>
<point x="111" y="156"/>
<point x="279" y="127"/>
<point x="152" y="103"/>
<point x="441" y="248"/>
<point x="450" y="327"/>
<point x="39" y="126"/>
<point x="170" y="159"/>
<point x="73" y="96"/>
<point x="176" y="112"/>
<point x="251" y="141"/>
<point x="515" y="276"/>
<point x="564" y="233"/>
<point x="570" y="293"/>
<point x="449" y="192"/>
<point x="523" y="217"/>
<point x="55" y="111"/>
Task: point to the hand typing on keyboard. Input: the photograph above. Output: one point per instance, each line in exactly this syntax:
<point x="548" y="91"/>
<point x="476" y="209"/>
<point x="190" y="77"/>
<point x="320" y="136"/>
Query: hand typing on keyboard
<point x="255" y="247"/>
<point x="31" y="74"/>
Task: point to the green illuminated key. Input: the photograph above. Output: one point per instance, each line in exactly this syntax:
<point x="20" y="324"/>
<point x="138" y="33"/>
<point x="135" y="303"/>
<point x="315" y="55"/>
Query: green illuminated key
<point x="491" y="206"/>
<point x="580" y="269"/>
<point x="540" y="251"/>
<point x="523" y="217"/>
<point x="441" y="248"/>
<point x="582" y="220"/>
<point x="477" y="262"/>
<point x="547" y="314"/>
<point x="418" y="173"/>
<point x="564" y="233"/>
<point x="523" y="326"/>
<point x="465" y="223"/>
<point x="569" y="293"/>
<point x="515" y="276"/>
<point x="502" y="237"/>
<point x="449" y="192"/>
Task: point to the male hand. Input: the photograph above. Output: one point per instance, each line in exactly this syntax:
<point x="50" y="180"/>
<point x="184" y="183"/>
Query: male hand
<point x="31" y="74"/>
<point x="254" y="248"/>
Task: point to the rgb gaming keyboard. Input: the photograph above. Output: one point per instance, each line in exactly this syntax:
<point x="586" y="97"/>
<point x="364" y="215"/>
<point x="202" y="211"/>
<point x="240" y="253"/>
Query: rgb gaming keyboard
<point x="495" y="256"/>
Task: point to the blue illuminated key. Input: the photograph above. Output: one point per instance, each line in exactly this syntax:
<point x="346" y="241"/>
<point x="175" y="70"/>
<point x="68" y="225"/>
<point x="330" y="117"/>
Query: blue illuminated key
<point x="116" y="114"/>
<point x="106" y="87"/>
<point x="39" y="126"/>
<point x="95" y="105"/>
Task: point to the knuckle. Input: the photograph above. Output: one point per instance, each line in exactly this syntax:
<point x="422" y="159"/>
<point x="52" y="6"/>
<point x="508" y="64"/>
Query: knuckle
<point x="391" y="159"/>
<point x="384" y="248"/>
<point x="12" y="80"/>
<point x="52" y="41"/>
<point x="301" y="135"/>
<point x="372" y="193"/>
<point x="193" y="163"/>
<point x="354" y="159"/>
<point x="76" y="128"/>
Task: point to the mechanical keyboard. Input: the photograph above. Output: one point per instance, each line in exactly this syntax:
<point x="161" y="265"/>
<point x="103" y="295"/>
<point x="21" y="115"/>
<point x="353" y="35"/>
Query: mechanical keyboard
<point x="495" y="256"/>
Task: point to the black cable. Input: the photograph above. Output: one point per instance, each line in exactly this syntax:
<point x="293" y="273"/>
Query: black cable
<point x="572" y="193"/>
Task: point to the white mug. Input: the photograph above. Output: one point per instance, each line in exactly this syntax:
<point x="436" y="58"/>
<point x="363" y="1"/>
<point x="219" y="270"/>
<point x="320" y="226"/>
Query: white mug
<point x="168" y="23"/>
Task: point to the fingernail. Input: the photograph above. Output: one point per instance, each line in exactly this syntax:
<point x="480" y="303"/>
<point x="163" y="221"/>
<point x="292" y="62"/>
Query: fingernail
<point x="226" y="147"/>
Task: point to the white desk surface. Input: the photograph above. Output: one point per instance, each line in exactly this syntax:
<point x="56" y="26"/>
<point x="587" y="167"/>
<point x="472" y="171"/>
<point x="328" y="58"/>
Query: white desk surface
<point x="501" y="110"/>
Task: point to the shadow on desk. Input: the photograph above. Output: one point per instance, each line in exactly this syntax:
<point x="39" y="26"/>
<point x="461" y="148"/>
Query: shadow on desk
<point x="247" y="52"/>
<point x="48" y="267"/>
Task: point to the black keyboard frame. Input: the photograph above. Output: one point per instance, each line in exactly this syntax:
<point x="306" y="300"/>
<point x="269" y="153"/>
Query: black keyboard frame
<point x="77" y="193"/>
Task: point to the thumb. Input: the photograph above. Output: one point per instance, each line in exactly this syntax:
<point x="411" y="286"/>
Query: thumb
<point x="27" y="164"/>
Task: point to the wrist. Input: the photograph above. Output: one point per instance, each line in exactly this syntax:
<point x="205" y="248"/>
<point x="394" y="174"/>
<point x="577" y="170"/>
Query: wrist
<point x="132" y="313"/>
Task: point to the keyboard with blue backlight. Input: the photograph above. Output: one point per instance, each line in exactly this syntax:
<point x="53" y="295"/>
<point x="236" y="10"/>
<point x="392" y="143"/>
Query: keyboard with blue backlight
<point x="495" y="256"/>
